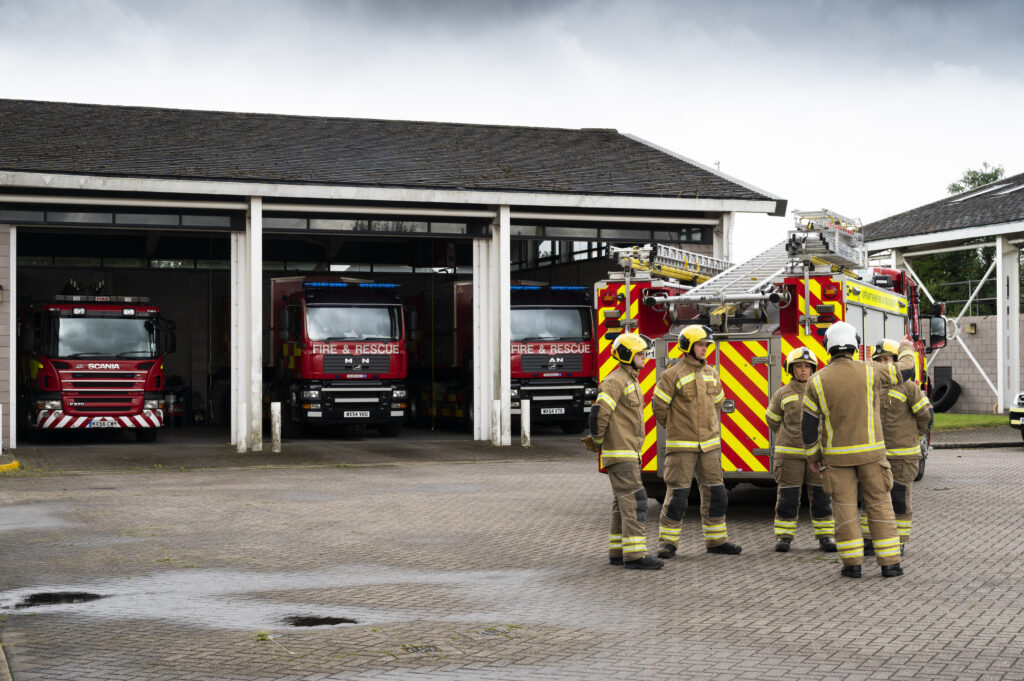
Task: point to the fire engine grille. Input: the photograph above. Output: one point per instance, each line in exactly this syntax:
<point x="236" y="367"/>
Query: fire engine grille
<point x="361" y="364"/>
<point x="84" y="405"/>
<point x="119" y="381"/>
<point x="552" y="363"/>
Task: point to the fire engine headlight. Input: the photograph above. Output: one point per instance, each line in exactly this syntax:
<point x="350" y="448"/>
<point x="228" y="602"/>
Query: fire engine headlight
<point x="515" y="393"/>
<point x="590" y="391"/>
<point x="152" y="404"/>
<point x="48" y="405"/>
<point x="311" y="406"/>
<point x="399" y="394"/>
<point x="311" y="394"/>
<point x="1020" y="400"/>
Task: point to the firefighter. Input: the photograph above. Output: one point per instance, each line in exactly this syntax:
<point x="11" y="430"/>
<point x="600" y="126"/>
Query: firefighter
<point x="617" y="434"/>
<point x="790" y="458"/>
<point x="844" y="398"/>
<point x="686" y="403"/>
<point x="907" y="416"/>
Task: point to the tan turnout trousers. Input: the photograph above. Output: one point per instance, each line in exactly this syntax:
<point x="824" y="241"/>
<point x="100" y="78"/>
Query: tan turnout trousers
<point x="791" y="474"/>
<point x="627" y="538"/>
<point x="903" y="473"/>
<point x="680" y="468"/>
<point x="875" y="482"/>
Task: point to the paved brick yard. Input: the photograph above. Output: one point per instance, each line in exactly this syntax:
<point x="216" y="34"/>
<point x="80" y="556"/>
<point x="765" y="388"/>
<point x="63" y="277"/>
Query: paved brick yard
<point x="484" y="570"/>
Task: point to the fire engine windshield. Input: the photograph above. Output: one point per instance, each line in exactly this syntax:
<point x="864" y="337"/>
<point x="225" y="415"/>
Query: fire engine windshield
<point x="105" y="337"/>
<point x="336" y="322"/>
<point x="537" y="323"/>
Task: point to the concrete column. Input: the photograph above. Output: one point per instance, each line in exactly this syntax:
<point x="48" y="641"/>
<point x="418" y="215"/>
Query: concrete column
<point x="722" y="239"/>
<point x="254" y="232"/>
<point x="1008" y="347"/>
<point x="482" y="331"/>
<point x="10" y="306"/>
<point x="501" y="253"/>
<point x="239" y="334"/>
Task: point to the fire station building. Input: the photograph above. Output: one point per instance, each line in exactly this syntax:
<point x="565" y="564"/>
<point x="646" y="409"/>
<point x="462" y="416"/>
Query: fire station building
<point x="197" y="210"/>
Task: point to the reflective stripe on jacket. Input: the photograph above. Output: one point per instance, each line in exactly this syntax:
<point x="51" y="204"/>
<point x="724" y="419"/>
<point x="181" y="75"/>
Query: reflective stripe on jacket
<point x="620" y="420"/>
<point x="906" y="413"/>
<point x="784" y="413"/>
<point x="686" y="403"/>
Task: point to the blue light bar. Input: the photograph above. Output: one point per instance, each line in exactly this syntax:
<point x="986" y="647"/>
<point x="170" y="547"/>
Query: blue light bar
<point x="569" y="288"/>
<point x="378" y="286"/>
<point x="324" y="284"/>
<point x="524" y="288"/>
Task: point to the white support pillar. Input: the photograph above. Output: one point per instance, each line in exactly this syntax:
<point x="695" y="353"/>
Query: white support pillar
<point x="239" y="334"/>
<point x="482" y="331"/>
<point x="501" y="366"/>
<point x="11" y="298"/>
<point x="722" y="240"/>
<point x="254" y="234"/>
<point x="1007" y="321"/>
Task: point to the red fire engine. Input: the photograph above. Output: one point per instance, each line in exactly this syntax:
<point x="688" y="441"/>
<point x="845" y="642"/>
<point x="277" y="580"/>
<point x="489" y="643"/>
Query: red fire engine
<point x="760" y="310"/>
<point x="553" y="362"/>
<point x="93" y="361"/>
<point x="339" y="353"/>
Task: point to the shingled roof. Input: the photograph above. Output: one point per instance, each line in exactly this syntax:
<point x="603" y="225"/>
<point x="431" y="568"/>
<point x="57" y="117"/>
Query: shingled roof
<point x="130" y="141"/>
<point x="997" y="203"/>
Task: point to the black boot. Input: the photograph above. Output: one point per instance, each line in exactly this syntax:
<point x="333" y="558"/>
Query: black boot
<point x="894" y="570"/>
<point x="727" y="548"/>
<point x="827" y="544"/>
<point x="851" y="571"/>
<point x="645" y="563"/>
<point x="869" y="548"/>
<point x="667" y="551"/>
<point x="782" y="544"/>
<point x="615" y="560"/>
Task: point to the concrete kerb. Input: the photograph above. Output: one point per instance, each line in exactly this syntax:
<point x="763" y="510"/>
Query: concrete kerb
<point x="5" y="671"/>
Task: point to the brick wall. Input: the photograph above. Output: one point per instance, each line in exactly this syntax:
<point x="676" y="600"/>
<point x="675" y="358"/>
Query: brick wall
<point x="976" y="397"/>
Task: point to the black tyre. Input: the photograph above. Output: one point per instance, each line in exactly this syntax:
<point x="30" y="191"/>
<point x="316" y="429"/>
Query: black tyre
<point x="945" y="396"/>
<point x="573" y="427"/>
<point x="290" y="429"/>
<point x="391" y="429"/>
<point x="655" y="490"/>
<point x="146" y="434"/>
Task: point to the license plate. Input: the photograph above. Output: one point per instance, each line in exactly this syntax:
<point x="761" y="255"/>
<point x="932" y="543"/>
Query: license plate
<point x="104" y="424"/>
<point x="549" y="411"/>
<point x="357" y="414"/>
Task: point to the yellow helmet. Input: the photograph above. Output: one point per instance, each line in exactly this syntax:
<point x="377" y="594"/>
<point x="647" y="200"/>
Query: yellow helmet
<point x="627" y="346"/>
<point x="886" y="346"/>
<point x="801" y="355"/>
<point x="695" y="333"/>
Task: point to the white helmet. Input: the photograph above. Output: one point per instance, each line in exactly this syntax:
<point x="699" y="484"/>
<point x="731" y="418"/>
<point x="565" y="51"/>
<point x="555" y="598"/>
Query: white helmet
<point x="841" y="336"/>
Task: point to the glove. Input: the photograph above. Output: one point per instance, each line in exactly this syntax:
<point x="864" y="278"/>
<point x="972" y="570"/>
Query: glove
<point x="592" y="443"/>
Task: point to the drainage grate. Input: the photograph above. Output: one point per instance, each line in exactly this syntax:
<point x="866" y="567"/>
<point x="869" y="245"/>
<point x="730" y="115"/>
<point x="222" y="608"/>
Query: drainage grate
<point x="57" y="598"/>
<point x="421" y="649"/>
<point x="310" y="621"/>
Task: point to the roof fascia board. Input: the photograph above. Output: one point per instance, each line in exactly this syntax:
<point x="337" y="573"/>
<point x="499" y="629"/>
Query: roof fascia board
<point x="349" y="193"/>
<point x="780" y="202"/>
<point x="952" y="236"/>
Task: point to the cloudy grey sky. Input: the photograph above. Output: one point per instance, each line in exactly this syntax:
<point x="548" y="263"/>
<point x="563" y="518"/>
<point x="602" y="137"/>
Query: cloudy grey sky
<point x="869" y="108"/>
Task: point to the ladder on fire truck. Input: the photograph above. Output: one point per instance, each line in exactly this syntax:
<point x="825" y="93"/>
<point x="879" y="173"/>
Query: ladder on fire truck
<point x="821" y="237"/>
<point x="671" y="262"/>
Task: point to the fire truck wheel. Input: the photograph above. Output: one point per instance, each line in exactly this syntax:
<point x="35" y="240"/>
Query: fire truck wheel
<point x="945" y="396"/>
<point x="390" y="429"/>
<point x="573" y="427"/>
<point x="290" y="429"/>
<point x="146" y="434"/>
<point x="37" y="436"/>
<point x="655" y="490"/>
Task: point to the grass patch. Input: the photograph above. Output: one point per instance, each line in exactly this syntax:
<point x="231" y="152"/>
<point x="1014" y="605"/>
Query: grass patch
<point x="965" y="421"/>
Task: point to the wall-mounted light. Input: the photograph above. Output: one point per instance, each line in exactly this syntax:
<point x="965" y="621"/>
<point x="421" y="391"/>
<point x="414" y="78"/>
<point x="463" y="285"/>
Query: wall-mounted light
<point x="970" y="328"/>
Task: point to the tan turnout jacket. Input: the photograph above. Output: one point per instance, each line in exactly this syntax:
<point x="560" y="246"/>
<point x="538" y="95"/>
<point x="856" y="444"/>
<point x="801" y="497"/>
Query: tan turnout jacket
<point x="846" y="396"/>
<point x="905" y="418"/>
<point x="686" y="401"/>
<point x="620" y="420"/>
<point x="785" y="411"/>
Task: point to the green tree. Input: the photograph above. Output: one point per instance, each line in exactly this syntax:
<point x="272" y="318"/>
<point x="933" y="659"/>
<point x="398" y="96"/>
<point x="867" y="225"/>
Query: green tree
<point x="972" y="179"/>
<point x="942" y="272"/>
